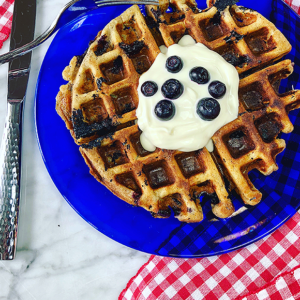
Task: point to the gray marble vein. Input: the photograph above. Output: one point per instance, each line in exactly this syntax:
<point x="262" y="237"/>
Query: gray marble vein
<point x="59" y="255"/>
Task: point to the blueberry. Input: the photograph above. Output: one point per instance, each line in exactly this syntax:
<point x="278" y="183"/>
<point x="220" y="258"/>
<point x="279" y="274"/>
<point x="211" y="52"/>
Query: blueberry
<point x="217" y="89"/>
<point x="165" y="110"/>
<point x="208" y="109"/>
<point x="199" y="75"/>
<point x="149" y="88"/>
<point x="172" y="89"/>
<point x="174" y="64"/>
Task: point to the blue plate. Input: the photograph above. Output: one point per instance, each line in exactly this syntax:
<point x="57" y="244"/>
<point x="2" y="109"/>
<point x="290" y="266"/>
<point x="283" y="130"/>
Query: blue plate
<point x="133" y="226"/>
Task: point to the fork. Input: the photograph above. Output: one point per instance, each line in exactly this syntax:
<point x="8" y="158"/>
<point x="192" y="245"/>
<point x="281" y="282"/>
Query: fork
<point x="68" y="13"/>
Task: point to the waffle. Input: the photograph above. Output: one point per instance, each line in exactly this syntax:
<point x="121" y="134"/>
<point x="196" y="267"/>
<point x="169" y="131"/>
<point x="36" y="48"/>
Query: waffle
<point x="241" y="36"/>
<point x="251" y="140"/>
<point x="98" y="106"/>
<point x="157" y="180"/>
<point x="101" y="96"/>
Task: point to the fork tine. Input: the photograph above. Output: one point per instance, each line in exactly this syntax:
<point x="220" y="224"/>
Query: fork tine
<point x="58" y="22"/>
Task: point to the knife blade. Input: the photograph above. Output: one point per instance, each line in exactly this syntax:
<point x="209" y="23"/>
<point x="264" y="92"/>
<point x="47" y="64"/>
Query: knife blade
<point x="22" y="33"/>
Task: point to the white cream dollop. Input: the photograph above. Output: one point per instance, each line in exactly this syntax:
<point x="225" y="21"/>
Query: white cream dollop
<point x="186" y="131"/>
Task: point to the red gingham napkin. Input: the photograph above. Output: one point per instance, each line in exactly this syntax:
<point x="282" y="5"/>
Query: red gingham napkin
<point x="6" y="12"/>
<point x="267" y="269"/>
<point x="294" y="4"/>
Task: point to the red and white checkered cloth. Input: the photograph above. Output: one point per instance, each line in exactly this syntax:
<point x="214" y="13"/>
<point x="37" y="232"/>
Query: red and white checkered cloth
<point x="267" y="269"/>
<point x="6" y="13"/>
<point x="294" y="4"/>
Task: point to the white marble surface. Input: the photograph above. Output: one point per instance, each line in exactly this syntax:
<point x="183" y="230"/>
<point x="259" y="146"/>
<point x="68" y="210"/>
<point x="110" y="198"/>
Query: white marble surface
<point x="59" y="256"/>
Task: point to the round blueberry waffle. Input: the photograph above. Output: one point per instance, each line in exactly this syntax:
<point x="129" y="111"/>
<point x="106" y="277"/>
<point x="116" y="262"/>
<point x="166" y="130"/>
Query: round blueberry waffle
<point x="99" y="101"/>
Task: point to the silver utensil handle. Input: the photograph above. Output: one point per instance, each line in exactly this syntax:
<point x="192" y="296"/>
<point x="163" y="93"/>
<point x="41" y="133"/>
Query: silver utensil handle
<point x="10" y="163"/>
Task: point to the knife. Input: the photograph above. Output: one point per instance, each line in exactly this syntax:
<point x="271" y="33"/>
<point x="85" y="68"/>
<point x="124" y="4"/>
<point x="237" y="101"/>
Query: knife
<point x="22" y="33"/>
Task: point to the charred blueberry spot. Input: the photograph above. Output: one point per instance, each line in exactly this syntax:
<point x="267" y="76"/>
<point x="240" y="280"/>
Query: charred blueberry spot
<point x="208" y="109"/>
<point x="217" y="89"/>
<point x="177" y="202"/>
<point x="176" y="211"/>
<point x="216" y="19"/>
<point x="164" y="213"/>
<point x="102" y="46"/>
<point x="172" y="89"/>
<point x="222" y="4"/>
<point x="99" y="82"/>
<point x="233" y="37"/>
<point x="236" y="59"/>
<point x="174" y="64"/>
<point x="80" y="59"/>
<point x="133" y="48"/>
<point x="214" y="199"/>
<point x="136" y="196"/>
<point x="199" y="75"/>
<point x="165" y="110"/>
<point x="118" y="65"/>
<point x="157" y="14"/>
<point x="149" y="88"/>
<point x="83" y="129"/>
